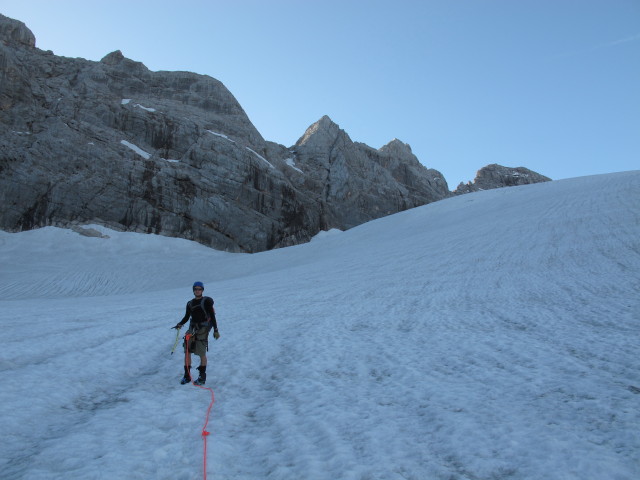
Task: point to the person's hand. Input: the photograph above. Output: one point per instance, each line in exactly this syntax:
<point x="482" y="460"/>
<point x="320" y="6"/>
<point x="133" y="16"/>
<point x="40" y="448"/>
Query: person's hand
<point x="216" y="335"/>
<point x="177" y="327"/>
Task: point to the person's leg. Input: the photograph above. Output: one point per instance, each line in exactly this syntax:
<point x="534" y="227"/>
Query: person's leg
<point x="187" y="364"/>
<point x="186" y="378"/>
<point x="201" y="347"/>
<point x="202" y="369"/>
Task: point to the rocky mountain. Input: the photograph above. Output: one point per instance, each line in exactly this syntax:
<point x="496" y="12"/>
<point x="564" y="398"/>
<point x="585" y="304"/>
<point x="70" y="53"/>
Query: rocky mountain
<point x="173" y="153"/>
<point x="497" y="176"/>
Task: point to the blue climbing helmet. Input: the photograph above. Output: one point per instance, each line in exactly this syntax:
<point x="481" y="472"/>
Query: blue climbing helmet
<point x="198" y="284"/>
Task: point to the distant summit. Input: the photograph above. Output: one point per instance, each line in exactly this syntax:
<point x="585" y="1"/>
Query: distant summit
<point x="395" y="146"/>
<point x="321" y="134"/>
<point x="16" y="33"/>
<point x="497" y="176"/>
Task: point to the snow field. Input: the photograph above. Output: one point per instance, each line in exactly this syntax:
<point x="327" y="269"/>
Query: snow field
<point x="488" y="336"/>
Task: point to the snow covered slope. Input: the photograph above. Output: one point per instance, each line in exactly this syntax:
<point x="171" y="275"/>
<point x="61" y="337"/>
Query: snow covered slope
<point x="490" y="336"/>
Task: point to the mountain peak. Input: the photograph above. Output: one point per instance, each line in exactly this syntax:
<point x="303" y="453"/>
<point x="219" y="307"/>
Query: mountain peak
<point x="113" y="58"/>
<point x="116" y="58"/>
<point x="397" y="147"/>
<point x="321" y="132"/>
<point x="498" y="176"/>
<point x="14" y="32"/>
<point x="325" y="121"/>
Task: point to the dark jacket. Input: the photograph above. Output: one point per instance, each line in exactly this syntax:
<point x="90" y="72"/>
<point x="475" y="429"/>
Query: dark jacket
<point x="201" y="313"/>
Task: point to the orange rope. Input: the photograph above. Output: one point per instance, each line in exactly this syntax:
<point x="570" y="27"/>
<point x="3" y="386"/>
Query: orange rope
<point x="205" y="433"/>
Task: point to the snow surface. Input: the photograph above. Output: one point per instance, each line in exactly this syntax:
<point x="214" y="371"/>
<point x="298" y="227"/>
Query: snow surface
<point x="136" y="149"/>
<point x="148" y="109"/>
<point x="220" y="135"/>
<point x="292" y="163"/>
<point x="260" y="157"/>
<point x="489" y="336"/>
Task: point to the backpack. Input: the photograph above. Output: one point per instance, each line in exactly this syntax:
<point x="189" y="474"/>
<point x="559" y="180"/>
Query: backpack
<point x="192" y="307"/>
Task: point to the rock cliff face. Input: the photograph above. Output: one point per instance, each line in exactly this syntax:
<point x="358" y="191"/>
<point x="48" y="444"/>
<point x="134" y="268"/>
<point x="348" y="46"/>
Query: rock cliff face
<point x="497" y="176"/>
<point x="173" y="153"/>
<point x="362" y="182"/>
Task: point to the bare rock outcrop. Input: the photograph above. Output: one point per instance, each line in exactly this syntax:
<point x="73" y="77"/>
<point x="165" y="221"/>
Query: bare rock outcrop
<point x="14" y="32"/>
<point x="497" y="176"/>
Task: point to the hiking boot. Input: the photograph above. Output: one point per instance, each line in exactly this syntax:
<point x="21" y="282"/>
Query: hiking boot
<point x="202" y="378"/>
<point x="187" y="376"/>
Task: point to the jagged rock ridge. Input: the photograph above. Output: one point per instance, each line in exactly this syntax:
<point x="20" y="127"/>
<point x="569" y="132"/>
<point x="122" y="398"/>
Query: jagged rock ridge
<point x="173" y="153"/>
<point x="497" y="176"/>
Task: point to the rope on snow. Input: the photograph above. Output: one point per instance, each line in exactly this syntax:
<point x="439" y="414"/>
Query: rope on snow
<point x="205" y="433"/>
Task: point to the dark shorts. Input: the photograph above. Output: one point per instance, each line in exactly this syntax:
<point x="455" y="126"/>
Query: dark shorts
<point x="200" y="344"/>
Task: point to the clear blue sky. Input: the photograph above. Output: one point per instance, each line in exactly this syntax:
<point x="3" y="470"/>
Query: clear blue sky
<point x="552" y="85"/>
